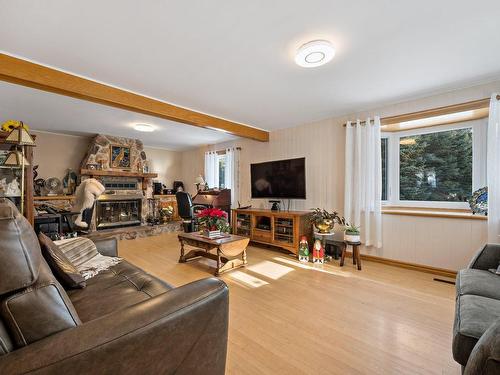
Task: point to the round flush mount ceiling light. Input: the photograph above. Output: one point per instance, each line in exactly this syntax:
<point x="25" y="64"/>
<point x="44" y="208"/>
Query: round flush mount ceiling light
<point x="315" y="53"/>
<point x="144" y="128"/>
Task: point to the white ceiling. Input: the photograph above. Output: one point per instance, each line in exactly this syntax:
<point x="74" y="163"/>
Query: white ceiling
<point x="234" y="58"/>
<point x="60" y="114"/>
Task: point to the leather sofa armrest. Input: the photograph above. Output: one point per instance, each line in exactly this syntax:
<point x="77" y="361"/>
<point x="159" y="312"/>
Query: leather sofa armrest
<point x="108" y="247"/>
<point x="485" y="357"/>
<point x="181" y="331"/>
<point x="486" y="258"/>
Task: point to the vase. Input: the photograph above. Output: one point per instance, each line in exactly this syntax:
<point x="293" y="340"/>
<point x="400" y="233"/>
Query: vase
<point x="324" y="226"/>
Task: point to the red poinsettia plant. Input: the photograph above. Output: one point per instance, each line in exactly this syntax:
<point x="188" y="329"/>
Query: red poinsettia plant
<point x="213" y="219"/>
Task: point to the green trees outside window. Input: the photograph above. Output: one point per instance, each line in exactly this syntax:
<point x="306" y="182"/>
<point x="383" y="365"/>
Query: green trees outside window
<point x="436" y="166"/>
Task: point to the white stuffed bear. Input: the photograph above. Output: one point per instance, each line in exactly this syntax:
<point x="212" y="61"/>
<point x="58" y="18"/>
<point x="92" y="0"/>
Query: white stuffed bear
<point x="85" y="195"/>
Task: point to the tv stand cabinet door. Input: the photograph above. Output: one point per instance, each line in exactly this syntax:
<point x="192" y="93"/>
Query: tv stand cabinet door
<point x="284" y="232"/>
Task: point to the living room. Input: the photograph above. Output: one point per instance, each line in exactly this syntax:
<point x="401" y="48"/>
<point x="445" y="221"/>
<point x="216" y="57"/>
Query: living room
<point x="275" y="188"/>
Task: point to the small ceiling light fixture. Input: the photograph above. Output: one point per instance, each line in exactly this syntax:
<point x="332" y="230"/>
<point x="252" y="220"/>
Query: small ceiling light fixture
<point x="315" y="53"/>
<point x="144" y="128"/>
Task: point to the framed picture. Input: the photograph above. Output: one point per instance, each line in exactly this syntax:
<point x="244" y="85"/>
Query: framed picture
<point x="119" y="157"/>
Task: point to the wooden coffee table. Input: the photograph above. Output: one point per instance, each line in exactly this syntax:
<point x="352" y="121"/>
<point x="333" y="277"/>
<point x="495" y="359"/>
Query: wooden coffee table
<point x="229" y="252"/>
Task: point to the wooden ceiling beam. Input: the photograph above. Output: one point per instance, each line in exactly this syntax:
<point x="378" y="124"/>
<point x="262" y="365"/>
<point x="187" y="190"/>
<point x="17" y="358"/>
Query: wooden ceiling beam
<point x="26" y="73"/>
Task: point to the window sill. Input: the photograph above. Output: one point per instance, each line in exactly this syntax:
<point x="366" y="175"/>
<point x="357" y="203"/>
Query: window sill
<point x="432" y="212"/>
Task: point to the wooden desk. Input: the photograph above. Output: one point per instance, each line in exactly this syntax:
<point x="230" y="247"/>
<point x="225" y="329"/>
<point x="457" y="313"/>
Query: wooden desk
<point x="228" y="250"/>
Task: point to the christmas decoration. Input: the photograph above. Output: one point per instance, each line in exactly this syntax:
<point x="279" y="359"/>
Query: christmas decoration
<point x="318" y="253"/>
<point x="303" y="250"/>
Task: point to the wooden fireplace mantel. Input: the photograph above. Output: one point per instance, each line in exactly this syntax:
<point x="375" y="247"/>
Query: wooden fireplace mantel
<point x="96" y="172"/>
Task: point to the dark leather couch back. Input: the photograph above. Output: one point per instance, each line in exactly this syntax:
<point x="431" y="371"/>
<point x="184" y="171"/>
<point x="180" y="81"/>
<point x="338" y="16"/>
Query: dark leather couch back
<point x="33" y="304"/>
<point x="19" y="250"/>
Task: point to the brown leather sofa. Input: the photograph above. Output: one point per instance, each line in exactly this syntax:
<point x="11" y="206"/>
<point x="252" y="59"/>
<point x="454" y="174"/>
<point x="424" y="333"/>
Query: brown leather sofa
<point x="124" y="321"/>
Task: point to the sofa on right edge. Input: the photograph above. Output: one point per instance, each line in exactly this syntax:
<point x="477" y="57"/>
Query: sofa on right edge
<point x="476" y="330"/>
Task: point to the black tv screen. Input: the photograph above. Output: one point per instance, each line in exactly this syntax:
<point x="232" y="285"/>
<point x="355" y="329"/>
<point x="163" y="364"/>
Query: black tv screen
<point x="285" y="179"/>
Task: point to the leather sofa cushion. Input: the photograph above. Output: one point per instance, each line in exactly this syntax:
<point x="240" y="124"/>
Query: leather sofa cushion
<point x="473" y="316"/>
<point x="118" y="287"/>
<point x="63" y="269"/>
<point x="5" y="341"/>
<point x="19" y="249"/>
<point x="479" y="283"/>
<point x="38" y="311"/>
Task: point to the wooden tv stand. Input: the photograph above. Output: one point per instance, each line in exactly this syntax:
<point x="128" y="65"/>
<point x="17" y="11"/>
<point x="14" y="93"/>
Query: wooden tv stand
<point x="278" y="228"/>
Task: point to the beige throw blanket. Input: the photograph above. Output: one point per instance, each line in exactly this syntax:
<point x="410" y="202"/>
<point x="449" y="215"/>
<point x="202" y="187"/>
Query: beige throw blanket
<point x="83" y="253"/>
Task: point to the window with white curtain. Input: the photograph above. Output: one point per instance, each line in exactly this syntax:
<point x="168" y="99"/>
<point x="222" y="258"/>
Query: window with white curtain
<point x="221" y="165"/>
<point x="439" y="166"/>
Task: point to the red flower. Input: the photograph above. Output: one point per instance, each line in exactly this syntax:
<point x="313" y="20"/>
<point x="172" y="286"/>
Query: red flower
<point x="212" y="212"/>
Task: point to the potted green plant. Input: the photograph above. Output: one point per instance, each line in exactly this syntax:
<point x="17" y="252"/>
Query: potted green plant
<point x="351" y="233"/>
<point x="324" y="221"/>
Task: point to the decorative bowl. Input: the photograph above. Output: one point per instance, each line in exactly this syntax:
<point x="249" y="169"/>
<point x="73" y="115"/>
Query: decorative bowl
<point x="324" y="226"/>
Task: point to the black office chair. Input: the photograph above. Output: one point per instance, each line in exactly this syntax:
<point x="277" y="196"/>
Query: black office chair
<point x="187" y="211"/>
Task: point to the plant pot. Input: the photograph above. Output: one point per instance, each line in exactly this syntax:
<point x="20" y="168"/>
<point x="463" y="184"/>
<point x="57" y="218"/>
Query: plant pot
<point x="324" y="226"/>
<point x="352" y="237"/>
<point x="211" y="233"/>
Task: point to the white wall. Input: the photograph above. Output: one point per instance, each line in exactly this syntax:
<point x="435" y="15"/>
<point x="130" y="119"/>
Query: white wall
<point x="322" y="143"/>
<point x="55" y="153"/>
<point x="432" y="241"/>
<point x="168" y="165"/>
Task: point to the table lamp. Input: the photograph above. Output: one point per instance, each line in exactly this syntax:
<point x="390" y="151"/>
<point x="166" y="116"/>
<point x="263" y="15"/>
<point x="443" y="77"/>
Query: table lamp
<point x="199" y="181"/>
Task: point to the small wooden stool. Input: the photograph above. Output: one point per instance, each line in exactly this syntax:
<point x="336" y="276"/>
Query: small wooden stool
<point x="356" y="257"/>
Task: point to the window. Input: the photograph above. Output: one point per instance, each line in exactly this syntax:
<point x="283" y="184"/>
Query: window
<point x="434" y="167"/>
<point x="221" y="162"/>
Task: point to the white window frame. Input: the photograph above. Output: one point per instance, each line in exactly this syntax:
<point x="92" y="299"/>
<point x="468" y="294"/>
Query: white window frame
<point x="479" y="131"/>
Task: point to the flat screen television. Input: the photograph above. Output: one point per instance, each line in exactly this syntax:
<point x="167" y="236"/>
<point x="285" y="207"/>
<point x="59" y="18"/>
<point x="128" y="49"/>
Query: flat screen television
<point x="282" y="179"/>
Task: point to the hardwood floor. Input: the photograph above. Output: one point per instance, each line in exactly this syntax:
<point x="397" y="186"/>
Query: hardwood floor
<point x="290" y="318"/>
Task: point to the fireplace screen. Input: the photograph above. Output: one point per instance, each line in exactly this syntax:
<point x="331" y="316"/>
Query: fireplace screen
<point x="118" y="213"/>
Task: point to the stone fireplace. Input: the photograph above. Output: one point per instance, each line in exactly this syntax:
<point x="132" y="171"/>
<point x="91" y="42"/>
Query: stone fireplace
<point x="121" y="205"/>
<point x="128" y="187"/>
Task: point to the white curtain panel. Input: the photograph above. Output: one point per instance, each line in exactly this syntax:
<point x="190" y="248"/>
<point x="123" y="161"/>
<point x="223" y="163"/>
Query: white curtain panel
<point x="211" y="169"/>
<point x="493" y="172"/>
<point x="363" y="180"/>
<point x="232" y="174"/>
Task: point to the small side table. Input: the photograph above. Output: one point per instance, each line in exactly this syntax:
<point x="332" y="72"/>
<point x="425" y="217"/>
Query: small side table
<point x="356" y="257"/>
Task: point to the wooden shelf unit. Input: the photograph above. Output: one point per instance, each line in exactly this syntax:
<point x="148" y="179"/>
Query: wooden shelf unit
<point x="278" y="228"/>
<point x="28" y="176"/>
<point x="54" y="198"/>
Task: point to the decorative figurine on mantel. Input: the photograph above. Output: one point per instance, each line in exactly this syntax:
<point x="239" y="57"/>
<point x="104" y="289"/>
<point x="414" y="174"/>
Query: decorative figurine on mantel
<point x="318" y="253"/>
<point x="69" y="182"/>
<point x="13" y="189"/>
<point x="303" y="250"/>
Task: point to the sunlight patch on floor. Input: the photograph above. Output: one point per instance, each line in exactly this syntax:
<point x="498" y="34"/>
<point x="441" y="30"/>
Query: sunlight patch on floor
<point x="318" y="268"/>
<point x="246" y="279"/>
<point x="270" y="269"/>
